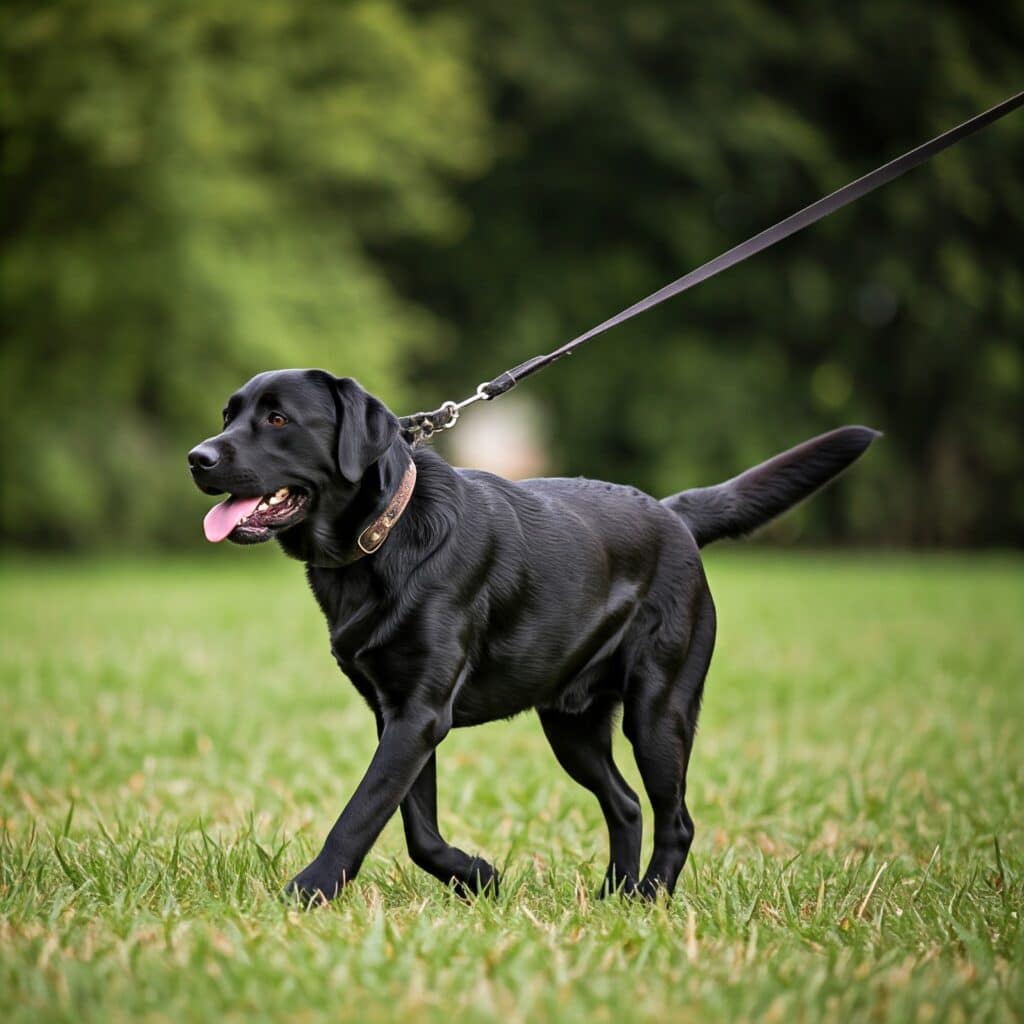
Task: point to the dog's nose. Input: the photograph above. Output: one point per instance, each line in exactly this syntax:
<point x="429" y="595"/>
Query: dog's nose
<point x="203" y="456"/>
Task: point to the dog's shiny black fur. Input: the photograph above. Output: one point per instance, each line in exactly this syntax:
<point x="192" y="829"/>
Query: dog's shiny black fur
<point x="572" y="597"/>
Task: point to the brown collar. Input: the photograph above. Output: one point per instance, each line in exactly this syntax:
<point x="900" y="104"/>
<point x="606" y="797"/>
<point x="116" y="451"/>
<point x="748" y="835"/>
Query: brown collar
<point x="377" y="532"/>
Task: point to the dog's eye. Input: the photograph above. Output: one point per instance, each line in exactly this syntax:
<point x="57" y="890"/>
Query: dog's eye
<point x="276" y="419"/>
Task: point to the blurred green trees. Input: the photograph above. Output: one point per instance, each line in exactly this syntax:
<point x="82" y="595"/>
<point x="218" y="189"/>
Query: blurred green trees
<point x="422" y="194"/>
<point x="190" y="195"/>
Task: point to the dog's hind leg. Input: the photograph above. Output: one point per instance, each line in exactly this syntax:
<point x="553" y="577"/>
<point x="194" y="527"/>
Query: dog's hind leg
<point x="583" y="745"/>
<point x="660" y="721"/>
<point x="429" y="850"/>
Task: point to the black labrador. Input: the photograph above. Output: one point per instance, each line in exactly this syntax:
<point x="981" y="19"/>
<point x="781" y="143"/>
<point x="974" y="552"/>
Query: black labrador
<point x="455" y="597"/>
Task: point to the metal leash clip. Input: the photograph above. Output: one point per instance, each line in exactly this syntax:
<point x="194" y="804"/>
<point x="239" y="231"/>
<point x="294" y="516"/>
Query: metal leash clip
<point x="420" y="427"/>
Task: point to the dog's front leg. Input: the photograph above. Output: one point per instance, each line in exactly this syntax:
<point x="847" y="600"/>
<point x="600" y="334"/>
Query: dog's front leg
<point x="427" y="847"/>
<point x="405" y="747"/>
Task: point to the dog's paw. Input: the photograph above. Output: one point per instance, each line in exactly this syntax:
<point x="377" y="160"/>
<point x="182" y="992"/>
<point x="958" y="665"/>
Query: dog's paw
<point x="480" y="880"/>
<point x="314" y="886"/>
<point x="651" y="889"/>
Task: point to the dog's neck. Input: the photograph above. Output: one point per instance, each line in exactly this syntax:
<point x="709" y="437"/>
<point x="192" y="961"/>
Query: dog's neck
<point x="330" y="538"/>
<point x="377" y="532"/>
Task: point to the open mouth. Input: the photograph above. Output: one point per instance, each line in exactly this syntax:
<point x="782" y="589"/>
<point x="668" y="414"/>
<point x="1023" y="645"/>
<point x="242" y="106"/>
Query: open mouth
<point x="251" y="520"/>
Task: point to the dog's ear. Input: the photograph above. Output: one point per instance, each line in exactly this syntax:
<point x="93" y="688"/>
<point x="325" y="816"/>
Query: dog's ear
<point x="366" y="428"/>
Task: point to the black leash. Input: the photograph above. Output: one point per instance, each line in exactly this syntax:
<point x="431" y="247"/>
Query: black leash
<point x="421" y="426"/>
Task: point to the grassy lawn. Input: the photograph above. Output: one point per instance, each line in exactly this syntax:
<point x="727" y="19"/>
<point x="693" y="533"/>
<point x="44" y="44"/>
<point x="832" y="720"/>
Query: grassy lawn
<point x="167" y="731"/>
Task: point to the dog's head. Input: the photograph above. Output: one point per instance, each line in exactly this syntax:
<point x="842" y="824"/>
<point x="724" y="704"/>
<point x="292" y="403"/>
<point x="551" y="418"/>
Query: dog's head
<point x="296" y="445"/>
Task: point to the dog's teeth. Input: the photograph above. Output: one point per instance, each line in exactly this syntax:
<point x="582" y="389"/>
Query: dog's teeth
<point x="279" y="496"/>
<point x="262" y="506"/>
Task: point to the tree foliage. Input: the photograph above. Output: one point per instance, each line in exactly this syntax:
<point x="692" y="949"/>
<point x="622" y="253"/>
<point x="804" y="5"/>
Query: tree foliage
<point x="637" y="142"/>
<point x="422" y="194"/>
<point x="190" y="191"/>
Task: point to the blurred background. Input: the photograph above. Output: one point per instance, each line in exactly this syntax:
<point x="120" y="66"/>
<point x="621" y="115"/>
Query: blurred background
<point x="422" y="194"/>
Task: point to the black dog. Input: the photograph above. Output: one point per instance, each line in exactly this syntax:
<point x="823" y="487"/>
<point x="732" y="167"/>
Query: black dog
<point x="487" y="598"/>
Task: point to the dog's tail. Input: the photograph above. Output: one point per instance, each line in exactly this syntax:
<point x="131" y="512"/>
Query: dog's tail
<point x="753" y="498"/>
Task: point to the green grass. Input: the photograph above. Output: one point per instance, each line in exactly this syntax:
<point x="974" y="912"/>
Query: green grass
<point x="167" y="730"/>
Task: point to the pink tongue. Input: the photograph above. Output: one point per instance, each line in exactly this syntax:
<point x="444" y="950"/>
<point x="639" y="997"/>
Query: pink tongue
<point x="223" y="518"/>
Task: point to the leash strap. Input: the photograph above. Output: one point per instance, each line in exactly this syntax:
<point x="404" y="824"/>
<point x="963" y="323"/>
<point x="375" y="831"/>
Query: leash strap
<point x="421" y="426"/>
